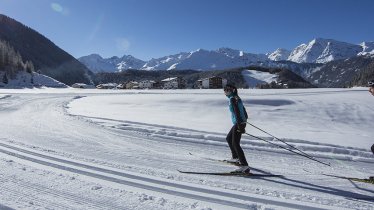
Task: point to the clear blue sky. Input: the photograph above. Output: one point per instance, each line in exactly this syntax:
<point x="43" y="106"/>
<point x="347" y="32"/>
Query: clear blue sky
<point x="153" y="28"/>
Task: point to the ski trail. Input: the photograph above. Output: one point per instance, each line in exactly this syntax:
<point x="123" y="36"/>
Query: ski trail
<point x="25" y="190"/>
<point x="320" y="150"/>
<point x="207" y="194"/>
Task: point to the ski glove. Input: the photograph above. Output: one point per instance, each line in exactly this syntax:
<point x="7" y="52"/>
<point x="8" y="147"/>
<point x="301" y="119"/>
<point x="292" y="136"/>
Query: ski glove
<point x="240" y="127"/>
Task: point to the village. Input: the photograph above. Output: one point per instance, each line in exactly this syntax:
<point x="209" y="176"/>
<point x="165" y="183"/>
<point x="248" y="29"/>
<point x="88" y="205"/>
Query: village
<point x="214" y="82"/>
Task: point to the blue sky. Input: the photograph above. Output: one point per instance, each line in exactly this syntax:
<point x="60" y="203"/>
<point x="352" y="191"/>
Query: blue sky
<point x="154" y="28"/>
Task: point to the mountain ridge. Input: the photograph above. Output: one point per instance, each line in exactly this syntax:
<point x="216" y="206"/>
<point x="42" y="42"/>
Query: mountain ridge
<point x="47" y="57"/>
<point x="318" y="50"/>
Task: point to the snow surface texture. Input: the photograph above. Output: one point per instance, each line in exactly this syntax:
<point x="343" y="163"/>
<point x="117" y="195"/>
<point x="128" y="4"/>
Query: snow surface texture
<point x="119" y="149"/>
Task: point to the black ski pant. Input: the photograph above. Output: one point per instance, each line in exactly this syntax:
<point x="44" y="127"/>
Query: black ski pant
<point x="233" y="139"/>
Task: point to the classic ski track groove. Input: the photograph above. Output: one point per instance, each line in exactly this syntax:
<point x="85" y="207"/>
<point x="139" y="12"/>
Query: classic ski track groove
<point x="65" y="195"/>
<point x="43" y="160"/>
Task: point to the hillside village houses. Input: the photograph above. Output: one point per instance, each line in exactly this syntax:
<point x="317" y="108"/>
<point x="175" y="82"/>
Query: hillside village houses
<point x="168" y="83"/>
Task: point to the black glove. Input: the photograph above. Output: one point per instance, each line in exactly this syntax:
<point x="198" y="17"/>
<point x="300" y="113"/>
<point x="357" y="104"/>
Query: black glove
<point x="240" y="128"/>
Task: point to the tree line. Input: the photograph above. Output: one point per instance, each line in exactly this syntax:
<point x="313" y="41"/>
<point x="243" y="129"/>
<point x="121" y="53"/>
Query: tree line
<point x="11" y="62"/>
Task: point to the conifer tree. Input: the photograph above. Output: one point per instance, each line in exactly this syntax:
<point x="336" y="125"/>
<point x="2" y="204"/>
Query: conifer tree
<point x="5" y="79"/>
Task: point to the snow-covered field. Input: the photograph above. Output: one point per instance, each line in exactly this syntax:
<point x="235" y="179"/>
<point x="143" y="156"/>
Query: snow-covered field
<point x="121" y="149"/>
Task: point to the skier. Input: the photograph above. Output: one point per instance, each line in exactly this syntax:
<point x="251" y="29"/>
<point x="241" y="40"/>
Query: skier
<point x="371" y="90"/>
<point x="239" y="118"/>
<point x="371" y="87"/>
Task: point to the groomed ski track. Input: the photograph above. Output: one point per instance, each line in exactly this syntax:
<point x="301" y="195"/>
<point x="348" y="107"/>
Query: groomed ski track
<point x="138" y="157"/>
<point x="204" y="194"/>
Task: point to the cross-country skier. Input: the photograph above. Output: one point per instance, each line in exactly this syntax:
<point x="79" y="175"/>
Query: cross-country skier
<point x="239" y="118"/>
<point x="371" y="90"/>
<point x="371" y="87"/>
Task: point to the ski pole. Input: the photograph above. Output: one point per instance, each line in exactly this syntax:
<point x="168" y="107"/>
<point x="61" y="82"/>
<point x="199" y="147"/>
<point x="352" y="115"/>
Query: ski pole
<point x="279" y="139"/>
<point x="307" y="156"/>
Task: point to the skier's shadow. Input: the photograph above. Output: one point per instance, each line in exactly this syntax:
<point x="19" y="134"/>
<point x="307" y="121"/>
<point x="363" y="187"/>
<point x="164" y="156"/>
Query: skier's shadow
<point x="323" y="189"/>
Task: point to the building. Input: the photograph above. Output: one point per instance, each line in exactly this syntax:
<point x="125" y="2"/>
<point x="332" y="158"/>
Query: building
<point x="212" y="83"/>
<point x="121" y="86"/>
<point x="107" y="86"/>
<point x="82" y="86"/>
<point x="174" y="83"/>
<point x="146" y="84"/>
<point x="132" y="85"/>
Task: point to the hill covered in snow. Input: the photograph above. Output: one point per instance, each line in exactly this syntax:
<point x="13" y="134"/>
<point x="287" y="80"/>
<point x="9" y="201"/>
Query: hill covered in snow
<point x="30" y="80"/>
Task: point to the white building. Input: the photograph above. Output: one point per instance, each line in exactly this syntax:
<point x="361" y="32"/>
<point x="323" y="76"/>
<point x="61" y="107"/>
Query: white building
<point x="107" y="86"/>
<point x="82" y="86"/>
<point x="146" y="84"/>
<point x="173" y="83"/>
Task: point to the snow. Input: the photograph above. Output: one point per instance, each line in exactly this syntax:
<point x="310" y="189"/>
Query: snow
<point x="254" y="77"/>
<point x="279" y="55"/>
<point x="24" y="80"/>
<point x="367" y="48"/>
<point x="323" y="50"/>
<point x="121" y="149"/>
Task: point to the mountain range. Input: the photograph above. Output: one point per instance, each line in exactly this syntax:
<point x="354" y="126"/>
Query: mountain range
<point x="318" y="50"/>
<point x="321" y="62"/>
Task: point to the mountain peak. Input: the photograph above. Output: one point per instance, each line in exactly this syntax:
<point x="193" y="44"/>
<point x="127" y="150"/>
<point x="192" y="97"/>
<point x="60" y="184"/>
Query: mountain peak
<point x="321" y="50"/>
<point x="279" y="54"/>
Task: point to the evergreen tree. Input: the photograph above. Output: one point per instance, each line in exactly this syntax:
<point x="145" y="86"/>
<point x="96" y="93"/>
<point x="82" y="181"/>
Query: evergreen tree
<point x="29" y="67"/>
<point x="5" y="79"/>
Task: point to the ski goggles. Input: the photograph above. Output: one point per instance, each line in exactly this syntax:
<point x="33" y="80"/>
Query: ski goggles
<point x="371" y="83"/>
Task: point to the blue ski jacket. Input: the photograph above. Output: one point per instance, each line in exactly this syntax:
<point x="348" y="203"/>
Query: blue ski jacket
<point x="238" y="112"/>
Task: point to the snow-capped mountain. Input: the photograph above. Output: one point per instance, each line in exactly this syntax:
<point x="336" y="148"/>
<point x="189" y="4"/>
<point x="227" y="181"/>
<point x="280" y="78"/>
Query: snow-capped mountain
<point x="200" y="59"/>
<point x="129" y="62"/>
<point x="165" y="63"/>
<point x="222" y="58"/>
<point x="316" y="51"/>
<point x="279" y="55"/>
<point x="323" y="50"/>
<point x="367" y="48"/>
<point x="98" y="64"/>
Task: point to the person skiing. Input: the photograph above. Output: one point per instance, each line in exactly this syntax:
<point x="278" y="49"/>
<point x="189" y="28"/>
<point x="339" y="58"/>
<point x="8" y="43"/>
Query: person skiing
<point x="371" y="87"/>
<point x="371" y="90"/>
<point x="239" y="118"/>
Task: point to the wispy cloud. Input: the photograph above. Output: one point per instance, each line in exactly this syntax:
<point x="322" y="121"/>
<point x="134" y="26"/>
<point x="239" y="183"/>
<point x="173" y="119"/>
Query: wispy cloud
<point x="59" y="9"/>
<point x="123" y="44"/>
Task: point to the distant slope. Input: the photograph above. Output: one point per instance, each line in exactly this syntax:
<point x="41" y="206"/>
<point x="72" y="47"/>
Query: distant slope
<point x="234" y="76"/>
<point x="31" y="80"/>
<point x="355" y="71"/>
<point x="48" y="58"/>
